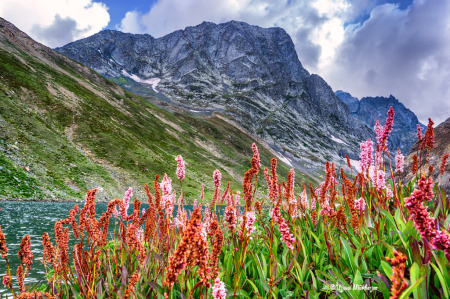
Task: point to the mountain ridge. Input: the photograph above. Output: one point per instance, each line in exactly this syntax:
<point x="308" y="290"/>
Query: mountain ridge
<point x="65" y="129"/>
<point x="251" y="75"/>
<point x="371" y="109"/>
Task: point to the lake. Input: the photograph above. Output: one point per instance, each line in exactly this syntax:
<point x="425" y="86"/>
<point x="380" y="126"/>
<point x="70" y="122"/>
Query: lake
<point x="18" y="218"/>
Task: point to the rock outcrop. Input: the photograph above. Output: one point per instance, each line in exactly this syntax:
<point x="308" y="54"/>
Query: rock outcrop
<point x="371" y="109"/>
<point x="248" y="74"/>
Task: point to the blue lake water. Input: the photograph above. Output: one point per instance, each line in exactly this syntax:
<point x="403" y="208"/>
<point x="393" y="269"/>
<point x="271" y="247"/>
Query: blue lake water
<point x="18" y="219"/>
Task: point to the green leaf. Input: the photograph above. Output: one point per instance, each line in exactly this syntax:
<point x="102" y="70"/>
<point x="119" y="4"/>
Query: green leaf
<point x="387" y="268"/>
<point x="409" y="290"/>
<point x="348" y="254"/>
<point x="414" y="277"/>
<point x="441" y="279"/>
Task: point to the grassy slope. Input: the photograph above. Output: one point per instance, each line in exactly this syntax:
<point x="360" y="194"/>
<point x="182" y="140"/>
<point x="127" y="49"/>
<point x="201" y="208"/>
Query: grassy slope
<point x="75" y="130"/>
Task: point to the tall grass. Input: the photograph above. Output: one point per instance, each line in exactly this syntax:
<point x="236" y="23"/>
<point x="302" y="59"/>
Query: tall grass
<point x="361" y="236"/>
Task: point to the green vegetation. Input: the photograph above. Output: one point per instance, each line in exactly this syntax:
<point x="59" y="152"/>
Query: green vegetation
<point x="75" y="130"/>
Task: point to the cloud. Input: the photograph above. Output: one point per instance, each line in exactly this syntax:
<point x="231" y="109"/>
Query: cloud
<point x="316" y="26"/>
<point x="61" y="31"/>
<point x="398" y="52"/>
<point x="56" y="22"/>
<point x="403" y="52"/>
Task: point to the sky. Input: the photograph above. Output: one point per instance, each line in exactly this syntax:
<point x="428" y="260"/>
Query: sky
<point x="364" y="47"/>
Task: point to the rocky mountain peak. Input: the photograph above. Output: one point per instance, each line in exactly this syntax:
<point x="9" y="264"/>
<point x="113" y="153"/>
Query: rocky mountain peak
<point x="250" y="75"/>
<point x="371" y="109"/>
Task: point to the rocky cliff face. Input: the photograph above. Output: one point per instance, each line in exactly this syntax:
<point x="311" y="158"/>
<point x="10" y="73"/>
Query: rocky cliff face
<point x="442" y="143"/>
<point x="65" y="129"/>
<point x="370" y="109"/>
<point x="250" y="75"/>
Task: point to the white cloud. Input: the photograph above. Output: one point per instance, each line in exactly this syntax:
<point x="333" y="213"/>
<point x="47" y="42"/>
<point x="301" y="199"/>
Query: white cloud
<point x="398" y="52"/>
<point x="316" y="26"/>
<point x="56" y="22"/>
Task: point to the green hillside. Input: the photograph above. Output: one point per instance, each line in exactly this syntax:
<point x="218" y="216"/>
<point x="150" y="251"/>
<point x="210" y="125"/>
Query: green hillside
<point x="65" y="129"/>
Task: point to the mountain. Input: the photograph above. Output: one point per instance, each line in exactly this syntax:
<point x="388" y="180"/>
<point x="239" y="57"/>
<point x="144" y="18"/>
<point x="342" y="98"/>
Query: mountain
<point x="65" y="129"/>
<point x="371" y="109"/>
<point x="250" y="75"/>
<point x="442" y="147"/>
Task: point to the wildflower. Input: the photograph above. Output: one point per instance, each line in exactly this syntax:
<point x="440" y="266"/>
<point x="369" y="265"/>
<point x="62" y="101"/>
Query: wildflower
<point x="348" y="162"/>
<point x="387" y="129"/>
<point x="360" y="205"/>
<point x="378" y="131"/>
<point x="131" y="285"/>
<point x="399" y="160"/>
<point x="20" y="278"/>
<point x="381" y="179"/>
<point x="126" y="204"/>
<point x="25" y="255"/>
<point x="428" y="138"/>
<point x="247" y="183"/>
<point x="443" y="164"/>
<point x="7" y="281"/>
<point x="194" y="206"/>
<point x="256" y="155"/>
<point x="414" y="164"/>
<point x="115" y="212"/>
<point x="399" y="283"/>
<point x="238" y="197"/>
<point x="217" y="177"/>
<point x="219" y="289"/>
<point x="150" y="217"/>
<point x="267" y="177"/>
<point x="423" y="221"/>
<point x="273" y="184"/>
<point x="366" y="155"/>
<point x="140" y="235"/>
<point x="419" y="132"/>
<point x="286" y="236"/>
<point x="162" y="220"/>
<point x="49" y="251"/>
<point x="62" y="240"/>
<point x="225" y="193"/>
<point x="180" y="167"/>
<point x="304" y="199"/>
<point x="250" y="226"/>
<point x="3" y="248"/>
<point x="178" y="260"/>
<point x="230" y="217"/>
<point x="215" y="254"/>
<point x="389" y="193"/>
<point x="168" y="197"/>
<point x="290" y="187"/>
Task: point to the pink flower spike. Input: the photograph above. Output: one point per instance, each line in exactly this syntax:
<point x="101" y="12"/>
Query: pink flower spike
<point x="256" y="155"/>
<point x="180" y="167"/>
<point x="218" y="289"/>
<point x="6" y="281"/>
<point x="399" y="160"/>
<point x="360" y="205"/>
<point x="126" y="203"/>
<point x="286" y="236"/>
<point x="387" y="129"/>
<point x="217" y="177"/>
<point x="379" y="131"/>
<point x="251" y="218"/>
<point x="419" y="133"/>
